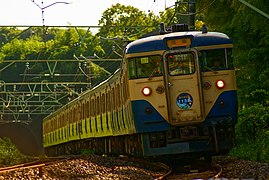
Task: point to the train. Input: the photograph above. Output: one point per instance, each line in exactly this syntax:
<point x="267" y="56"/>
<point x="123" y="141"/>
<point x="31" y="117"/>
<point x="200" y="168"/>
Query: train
<point x="174" y="95"/>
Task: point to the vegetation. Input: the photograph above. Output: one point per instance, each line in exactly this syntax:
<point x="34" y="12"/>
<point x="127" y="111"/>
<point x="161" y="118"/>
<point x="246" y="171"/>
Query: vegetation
<point x="251" y="40"/>
<point x="9" y="154"/>
<point x="246" y="27"/>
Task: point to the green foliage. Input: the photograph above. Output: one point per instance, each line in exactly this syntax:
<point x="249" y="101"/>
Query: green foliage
<point x="252" y="133"/>
<point x="125" y="17"/>
<point x="168" y="17"/>
<point x="8" y="34"/>
<point x="251" y="40"/>
<point x="9" y="154"/>
<point x="123" y="23"/>
<point x="21" y="49"/>
<point x="253" y="123"/>
<point x="256" y="151"/>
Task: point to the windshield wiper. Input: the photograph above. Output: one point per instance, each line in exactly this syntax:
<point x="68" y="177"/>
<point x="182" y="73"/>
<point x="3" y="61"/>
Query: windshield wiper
<point x="210" y="69"/>
<point x="153" y="72"/>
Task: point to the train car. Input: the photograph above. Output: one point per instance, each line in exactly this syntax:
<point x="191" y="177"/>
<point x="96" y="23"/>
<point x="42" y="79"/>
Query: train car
<point x="174" y="95"/>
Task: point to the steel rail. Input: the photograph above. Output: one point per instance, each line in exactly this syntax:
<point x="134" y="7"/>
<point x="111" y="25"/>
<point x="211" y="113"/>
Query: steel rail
<point x="35" y="164"/>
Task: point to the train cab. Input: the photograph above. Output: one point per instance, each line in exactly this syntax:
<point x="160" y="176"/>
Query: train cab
<point x="182" y="86"/>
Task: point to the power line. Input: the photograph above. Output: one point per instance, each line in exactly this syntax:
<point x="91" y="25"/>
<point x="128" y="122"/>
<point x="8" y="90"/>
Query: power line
<point x="255" y="9"/>
<point x="42" y="7"/>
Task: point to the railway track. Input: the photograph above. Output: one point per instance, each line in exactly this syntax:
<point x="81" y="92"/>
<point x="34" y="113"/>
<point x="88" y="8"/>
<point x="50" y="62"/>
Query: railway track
<point x="218" y="170"/>
<point x="211" y="171"/>
<point x="158" y="165"/>
<point x="94" y="167"/>
<point x="171" y="171"/>
<point x="34" y="164"/>
<point x="160" y="170"/>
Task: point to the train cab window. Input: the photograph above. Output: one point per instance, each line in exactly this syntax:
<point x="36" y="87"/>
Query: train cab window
<point x="216" y="59"/>
<point x="180" y="64"/>
<point x="144" y="67"/>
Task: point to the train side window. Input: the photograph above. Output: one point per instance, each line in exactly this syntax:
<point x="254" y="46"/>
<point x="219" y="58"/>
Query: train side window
<point x="91" y="113"/>
<point x="83" y="111"/>
<point x="180" y="64"/>
<point x="103" y="105"/>
<point x="97" y="106"/>
<point x="117" y="96"/>
<point x="73" y="130"/>
<point x="87" y="109"/>
<point x="102" y="110"/>
<point x="107" y="108"/>
<point x="108" y="102"/>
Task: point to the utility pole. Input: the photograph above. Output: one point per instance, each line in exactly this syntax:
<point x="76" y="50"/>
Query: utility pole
<point x="186" y="12"/>
<point x="192" y="11"/>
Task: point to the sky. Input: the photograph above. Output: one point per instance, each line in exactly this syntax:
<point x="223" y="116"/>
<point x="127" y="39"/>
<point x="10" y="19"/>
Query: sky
<point x="77" y="13"/>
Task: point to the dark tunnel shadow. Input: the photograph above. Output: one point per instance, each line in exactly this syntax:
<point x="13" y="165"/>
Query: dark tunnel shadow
<point x="21" y="135"/>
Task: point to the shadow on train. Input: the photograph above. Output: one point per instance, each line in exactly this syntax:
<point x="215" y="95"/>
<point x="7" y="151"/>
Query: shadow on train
<point x="27" y="138"/>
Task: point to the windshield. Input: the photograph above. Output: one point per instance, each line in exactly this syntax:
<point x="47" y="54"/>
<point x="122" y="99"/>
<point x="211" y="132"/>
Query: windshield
<point x="145" y="67"/>
<point x="180" y="64"/>
<point x="216" y="59"/>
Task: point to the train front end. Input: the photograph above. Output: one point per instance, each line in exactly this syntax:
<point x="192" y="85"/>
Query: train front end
<point x="183" y="93"/>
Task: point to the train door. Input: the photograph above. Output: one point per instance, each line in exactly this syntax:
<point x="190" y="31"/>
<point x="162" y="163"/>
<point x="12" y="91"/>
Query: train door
<point x="182" y="82"/>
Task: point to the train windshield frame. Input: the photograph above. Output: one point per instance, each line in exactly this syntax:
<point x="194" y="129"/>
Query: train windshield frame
<point x="216" y="59"/>
<point x="145" y="66"/>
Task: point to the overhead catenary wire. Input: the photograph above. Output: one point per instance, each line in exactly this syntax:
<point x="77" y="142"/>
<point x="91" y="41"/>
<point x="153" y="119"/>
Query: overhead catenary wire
<point x="254" y="8"/>
<point x="42" y="8"/>
<point x="188" y="14"/>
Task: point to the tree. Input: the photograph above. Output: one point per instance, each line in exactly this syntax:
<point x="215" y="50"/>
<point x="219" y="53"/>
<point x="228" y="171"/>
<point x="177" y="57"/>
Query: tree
<point x="251" y="39"/>
<point x="248" y="30"/>
<point x="123" y="23"/>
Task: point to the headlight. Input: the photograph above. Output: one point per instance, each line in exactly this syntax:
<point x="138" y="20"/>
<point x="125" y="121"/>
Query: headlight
<point x="146" y="91"/>
<point x="220" y="84"/>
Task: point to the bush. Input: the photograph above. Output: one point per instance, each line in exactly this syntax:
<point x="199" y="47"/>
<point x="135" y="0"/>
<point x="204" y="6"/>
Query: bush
<point x="9" y="154"/>
<point x="252" y="134"/>
<point x="253" y="123"/>
<point x="256" y="151"/>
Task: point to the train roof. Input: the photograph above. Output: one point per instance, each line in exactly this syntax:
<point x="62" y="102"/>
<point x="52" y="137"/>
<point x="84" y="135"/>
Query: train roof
<point x="158" y="42"/>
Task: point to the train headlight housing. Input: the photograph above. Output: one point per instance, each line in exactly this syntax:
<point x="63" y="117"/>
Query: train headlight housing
<point x="146" y="91"/>
<point x="220" y="84"/>
<point x="207" y="85"/>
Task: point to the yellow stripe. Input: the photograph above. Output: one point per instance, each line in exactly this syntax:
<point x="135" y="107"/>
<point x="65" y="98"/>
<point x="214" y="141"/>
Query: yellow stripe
<point x="214" y="47"/>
